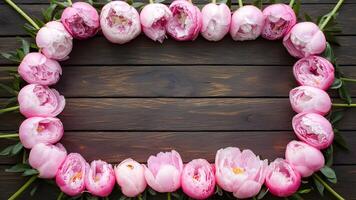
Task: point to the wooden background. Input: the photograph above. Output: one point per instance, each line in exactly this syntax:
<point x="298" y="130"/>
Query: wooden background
<point x="140" y="98"/>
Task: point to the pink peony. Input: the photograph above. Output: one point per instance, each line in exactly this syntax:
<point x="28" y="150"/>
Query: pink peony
<point x="310" y="99"/>
<point x="247" y="23"/>
<point x="154" y="18"/>
<point x="186" y="22"/>
<point x="242" y="173"/>
<point x="70" y="176"/>
<point x="81" y="20"/>
<point x="38" y="69"/>
<point x="100" y="178"/>
<point x="163" y="171"/>
<point x="130" y="177"/>
<point x="54" y="41"/>
<point x="198" y="179"/>
<point x="282" y="179"/>
<point x="47" y="158"/>
<point x="279" y="19"/>
<point x="305" y="39"/>
<point x="216" y="21"/>
<point x="34" y="130"/>
<point x="314" y="71"/>
<point x="313" y="129"/>
<point x="120" y="22"/>
<point x="304" y="158"/>
<point x="40" y="101"/>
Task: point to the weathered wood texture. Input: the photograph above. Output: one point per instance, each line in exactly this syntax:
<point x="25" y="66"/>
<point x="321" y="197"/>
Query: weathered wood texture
<point x="136" y="99"/>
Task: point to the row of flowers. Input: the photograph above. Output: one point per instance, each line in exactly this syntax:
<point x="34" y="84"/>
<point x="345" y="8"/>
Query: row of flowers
<point x="242" y="173"/>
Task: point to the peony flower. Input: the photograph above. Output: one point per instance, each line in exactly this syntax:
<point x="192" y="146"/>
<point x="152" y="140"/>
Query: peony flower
<point x="154" y="18"/>
<point x="81" y="20"/>
<point x="100" y="178"/>
<point x="130" y="177"/>
<point x="310" y="99"/>
<point x="304" y="158"/>
<point x="247" y="23"/>
<point x="186" y="22"/>
<point x="163" y="171"/>
<point x="54" y="41"/>
<point x="314" y="71"/>
<point x="70" y="176"/>
<point x="282" y="179"/>
<point x="47" y="158"/>
<point x="305" y="39"/>
<point x="242" y="173"/>
<point x="120" y="22"/>
<point x="38" y="69"/>
<point x="198" y="179"/>
<point x="40" y="101"/>
<point x="279" y="19"/>
<point x="34" y="130"/>
<point x="216" y="21"/>
<point x="313" y="129"/>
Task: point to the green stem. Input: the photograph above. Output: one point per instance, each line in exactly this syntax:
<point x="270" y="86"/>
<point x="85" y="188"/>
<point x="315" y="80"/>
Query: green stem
<point x="348" y="79"/>
<point x="240" y="3"/>
<point x="139" y="197"/>
<point x="70" y="2"/>
<point x="15" y="135"/>
<point x="24" y="156"/>
<point x="9" y="109"/>
<point x="151" y="1"/>
<point x="330" y="15"/>
<point x="344" y="105"/>
<point x="60" y="196"/>
<point x="23" y="188"/>
<point x="328" y="187"/>
<point x="169" y="196"/>
<point x="22" y="13"/>
<point x="291" y="3"/>
<point x="213" y="1"/>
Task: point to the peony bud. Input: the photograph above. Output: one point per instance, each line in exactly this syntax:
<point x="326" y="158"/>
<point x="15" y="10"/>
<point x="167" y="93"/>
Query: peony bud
<point x="40" y="101"/>
<point x="38" y="69"/>
<point x="314" y="71"/>
<point x="279" y="19"/>
<point x="154" y="18"/>
<point x="163" y="171"/>
<point x="216" y="21"/>
<point x="282" y="179"/>
<point x="47" y="158"/>
<point x="310" y="99"/>
<point x="70" y="176"/>
<point x="313" y="129"/>
<point x="186" y="21"/>
<point x="36" y="130"/>
<point x="81" y="20"/>
<point x="242" y="173"/>
<point x="198" y="179"/>
<point x="100" y="178"/>
<point x="130" y="177"/>
<point x="304" y="158"/>
<point x="54" y="41"/>
<point x="305" y="39"/>
<point x="247" y="23"/>
<point x="120" y="22"/>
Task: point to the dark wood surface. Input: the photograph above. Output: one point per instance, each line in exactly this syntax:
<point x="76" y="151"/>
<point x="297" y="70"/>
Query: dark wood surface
<point x="140" y="98"/>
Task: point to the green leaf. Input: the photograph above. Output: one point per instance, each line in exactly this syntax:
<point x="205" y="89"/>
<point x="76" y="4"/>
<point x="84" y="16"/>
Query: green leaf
<point x="18" y="168"/>
<point x="258" y="3"/>
<point x="336" y="116"/>
<point x="262" y="193"/>
<point x="34" y="190"/>
<point x="219" y="191"/>
<point x="16" y="148"/>
<point x="48" y="13"/>
<point x="8" y="89"/>
<point x="307" y="17"/>
<point x="339" y="140"/>
<point x="30" y="172"/>
<point x="305" y="191"/>
<point x="296" y="7"/>
<point x="12" y="56"/>
<point x="296" y="196"/>
<point x="25" y="46"/>
<point x="138" y="5"/>
<point x="344" y="94"/>
<point x="152" y="192"/>
<point x="11" y="150"/>
<point x="329" y="156"/>
<point x="336" y="84"/>
<point x="159" y="1"/>
<point x="329" y="173"/>
<point x="319" y="186"/>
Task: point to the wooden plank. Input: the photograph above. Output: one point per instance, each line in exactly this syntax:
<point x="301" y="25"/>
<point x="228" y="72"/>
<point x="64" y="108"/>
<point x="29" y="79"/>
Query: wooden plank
<point x="176" y="81"/>
<point x="346" y="181"/>
<point x="12" y="23"/>
<point x="140" y="145"/>
<point x="142" y="51"/>
<point x="180" y="114"/>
